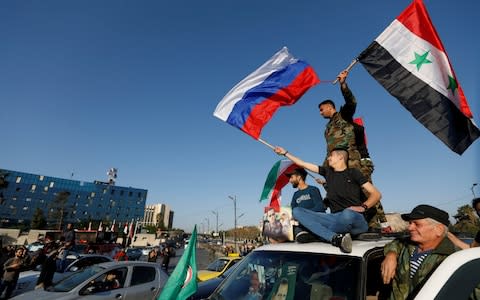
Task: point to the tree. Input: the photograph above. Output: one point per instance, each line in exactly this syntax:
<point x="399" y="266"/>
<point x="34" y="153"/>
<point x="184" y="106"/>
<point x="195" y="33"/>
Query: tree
<point x="38" y="219"/>
<point x="467" y="221"/>
<point x="160" y="222"/>
<point x="58" y="208"/>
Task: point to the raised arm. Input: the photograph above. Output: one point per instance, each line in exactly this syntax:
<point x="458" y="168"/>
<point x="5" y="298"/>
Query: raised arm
<point x="348" y="110"/>
<point x="296" y="160"/>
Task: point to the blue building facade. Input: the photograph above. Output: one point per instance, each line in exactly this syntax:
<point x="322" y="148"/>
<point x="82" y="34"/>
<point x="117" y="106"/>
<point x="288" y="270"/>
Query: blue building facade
<point x="22" y="193"/>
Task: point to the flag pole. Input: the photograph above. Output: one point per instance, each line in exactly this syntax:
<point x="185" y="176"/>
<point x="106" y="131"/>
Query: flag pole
<point x="350" y="66"/>
<point x="265" y="143"/>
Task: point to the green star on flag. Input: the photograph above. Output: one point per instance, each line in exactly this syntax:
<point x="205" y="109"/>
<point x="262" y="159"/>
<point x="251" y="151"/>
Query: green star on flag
<point x="420" y="60"/>
<point x="452" y="84"/>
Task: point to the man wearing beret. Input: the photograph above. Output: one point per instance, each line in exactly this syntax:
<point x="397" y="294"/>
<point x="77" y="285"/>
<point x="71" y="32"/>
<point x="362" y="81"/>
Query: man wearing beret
<point x="410" y="262"/>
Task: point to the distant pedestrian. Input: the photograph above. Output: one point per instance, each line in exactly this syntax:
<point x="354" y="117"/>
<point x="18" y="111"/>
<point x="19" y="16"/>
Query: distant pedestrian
<point x="121" y="255"/>
<point x="166" y="258"/>
<point x="45" y="278"/>
<point x="12" y="268"/>
<point x="152" y="255"/>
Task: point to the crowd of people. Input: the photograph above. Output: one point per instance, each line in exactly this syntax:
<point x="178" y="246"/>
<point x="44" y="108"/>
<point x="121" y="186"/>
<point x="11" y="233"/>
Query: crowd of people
<point x="355" y="208"/>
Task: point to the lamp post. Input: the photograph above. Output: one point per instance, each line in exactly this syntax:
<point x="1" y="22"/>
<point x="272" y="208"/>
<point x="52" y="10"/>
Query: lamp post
<point x="216" y="215"/>
<point x="473" y="192"/>
<point x="234" y="198"/>
<point x="208" y="224"/>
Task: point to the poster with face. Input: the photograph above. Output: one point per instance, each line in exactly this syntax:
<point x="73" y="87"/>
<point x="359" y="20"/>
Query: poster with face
<point x="278" y="225"/>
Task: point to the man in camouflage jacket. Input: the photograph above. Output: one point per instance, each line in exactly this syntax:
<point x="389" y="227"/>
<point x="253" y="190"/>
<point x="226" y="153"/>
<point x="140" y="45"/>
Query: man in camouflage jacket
<point x="410" y="262"/>
<point x="340" y="133"/>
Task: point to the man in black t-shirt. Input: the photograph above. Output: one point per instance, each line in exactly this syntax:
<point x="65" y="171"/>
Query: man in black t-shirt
<point x="347" y="201"/>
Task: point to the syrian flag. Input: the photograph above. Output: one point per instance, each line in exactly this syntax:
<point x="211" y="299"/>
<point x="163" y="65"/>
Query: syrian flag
<point x="276" y="180"/>
<point x="182" y="283"/>
<point x="125" y="228"/>
<point x="112" y="229"/>
<point x="409" y="60"/>
<point x="130" y="230"/>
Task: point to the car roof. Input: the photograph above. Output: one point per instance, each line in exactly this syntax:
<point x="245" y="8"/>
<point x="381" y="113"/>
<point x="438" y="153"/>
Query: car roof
<point x="127" y="263"/>
<point x="80" y="255"/>
<point x="359" y="247"/>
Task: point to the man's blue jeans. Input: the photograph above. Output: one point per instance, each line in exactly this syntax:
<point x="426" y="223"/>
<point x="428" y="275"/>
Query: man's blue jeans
<point x="326" y="225"/>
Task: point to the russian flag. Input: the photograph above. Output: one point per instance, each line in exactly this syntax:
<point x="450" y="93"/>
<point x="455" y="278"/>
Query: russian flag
<point x="281" y="81"/>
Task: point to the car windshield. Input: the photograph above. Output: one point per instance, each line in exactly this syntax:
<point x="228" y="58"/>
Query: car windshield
<point x="77" y="278"/>
<point x="217" y="265"/>
<point x="292" y="275"/>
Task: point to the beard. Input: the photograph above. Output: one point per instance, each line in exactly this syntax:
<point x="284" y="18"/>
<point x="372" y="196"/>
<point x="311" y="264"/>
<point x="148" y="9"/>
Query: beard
<point x="295" y="185"/>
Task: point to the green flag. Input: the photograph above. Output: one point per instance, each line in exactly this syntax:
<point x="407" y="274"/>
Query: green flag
<point x="183" y="281"/>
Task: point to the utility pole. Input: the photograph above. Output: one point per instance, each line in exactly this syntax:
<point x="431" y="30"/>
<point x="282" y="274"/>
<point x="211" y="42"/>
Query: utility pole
<point x="234" y="198"/>
<point x="216" y="215"/>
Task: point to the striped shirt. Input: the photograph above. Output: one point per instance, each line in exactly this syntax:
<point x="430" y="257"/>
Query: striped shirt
<point x="416" y="260"/>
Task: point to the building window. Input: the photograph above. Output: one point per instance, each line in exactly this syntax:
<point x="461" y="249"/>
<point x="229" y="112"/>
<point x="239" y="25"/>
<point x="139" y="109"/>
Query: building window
<point x="33" y="187"/>
<point x="130" y="194"/>
<point x="45" y="189"/>
<point x="41" y="177"/>
<point x="28" y="199"/>
<point x="18" y="179"/>
<point x="25" y="208"/>
<point x="42" y="201"/>
<point x="92" y="194"/>
<point x="112" y="192"/>
<point x="104" y="191"/>
<point x="121" y="193"/>
<point x="18" y="189"/>
<point x="51" y="184"/>
<point x="14" y="198"/>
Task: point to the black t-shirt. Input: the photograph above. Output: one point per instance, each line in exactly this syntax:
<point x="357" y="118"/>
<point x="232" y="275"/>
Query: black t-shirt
<point x="477" y="237"/>
<point x="344" y="188"/>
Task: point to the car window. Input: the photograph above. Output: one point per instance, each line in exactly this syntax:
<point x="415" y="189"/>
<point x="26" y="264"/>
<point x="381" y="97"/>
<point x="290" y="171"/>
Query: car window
<point x="464" y="283"/>
<point x="270" y="275"/>
<point x="88" y="261"/>
<point x="108" y="280"/>
<point x="217" y="265"/>
<point x="77" y="278"/>
<point x="142" y="274"/>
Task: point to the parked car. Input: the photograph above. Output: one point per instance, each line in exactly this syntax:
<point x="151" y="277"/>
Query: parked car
<point x="134" y="280"/>
<point x="35" y="246"/>
<point x="146" y="250"/>
<point x="75" y="262"/>
<point x="134" y="253"/>
<point x="321" y="271"/>
<point x="217" y="267"/>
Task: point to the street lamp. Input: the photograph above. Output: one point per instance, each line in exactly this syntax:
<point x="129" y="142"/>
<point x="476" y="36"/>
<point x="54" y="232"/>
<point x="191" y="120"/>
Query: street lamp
<point x="473" y="192"/>
<point x="234" y="198"/>
<point x="208" y="224"/>
<point x="216" y="215"/>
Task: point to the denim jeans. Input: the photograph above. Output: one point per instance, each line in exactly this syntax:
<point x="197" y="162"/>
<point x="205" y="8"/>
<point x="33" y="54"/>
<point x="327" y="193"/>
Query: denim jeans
<point x="326" y="225"/>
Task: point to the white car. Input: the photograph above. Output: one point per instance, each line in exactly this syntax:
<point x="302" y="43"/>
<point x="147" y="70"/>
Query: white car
<point x="321" y="271"/>
<point x="75" y="262"/>
<point x="134" y="280"/>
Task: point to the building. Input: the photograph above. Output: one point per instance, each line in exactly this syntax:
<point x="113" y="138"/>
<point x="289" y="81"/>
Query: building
<point x="158" y="214"/>
<point x="69" y="200"/>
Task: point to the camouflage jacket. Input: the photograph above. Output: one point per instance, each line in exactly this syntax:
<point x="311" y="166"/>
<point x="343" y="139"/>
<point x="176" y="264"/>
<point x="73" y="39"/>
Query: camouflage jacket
<point x="402" y="286"/>
<point x="339" y="131"/>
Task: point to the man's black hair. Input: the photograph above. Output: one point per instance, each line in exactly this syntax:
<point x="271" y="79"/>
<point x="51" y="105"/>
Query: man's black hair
<point x="328" y="101"/>
<point x="475" y="202"/>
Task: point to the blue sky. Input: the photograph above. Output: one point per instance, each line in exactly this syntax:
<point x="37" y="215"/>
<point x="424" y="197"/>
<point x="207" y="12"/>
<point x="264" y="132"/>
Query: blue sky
<point x="89" y="85"/>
